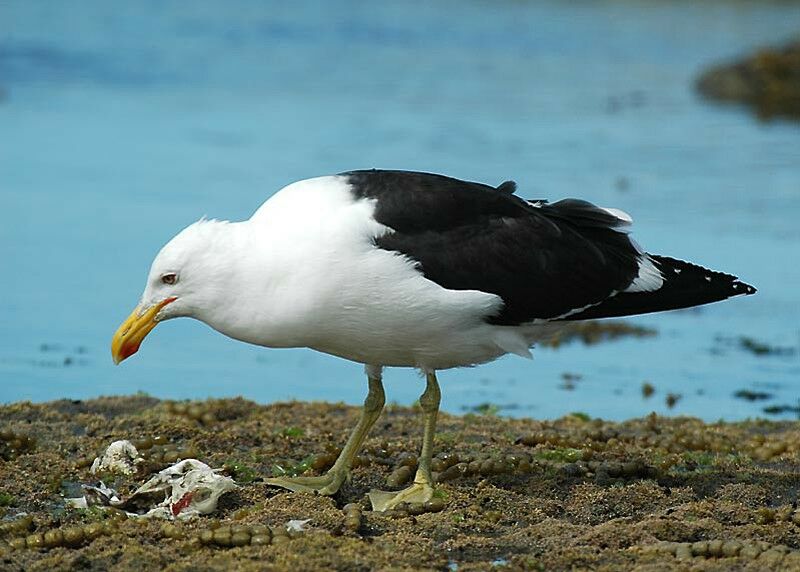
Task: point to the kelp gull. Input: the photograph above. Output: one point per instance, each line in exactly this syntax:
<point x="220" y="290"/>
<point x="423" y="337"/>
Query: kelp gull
<point x="396" y="268"/>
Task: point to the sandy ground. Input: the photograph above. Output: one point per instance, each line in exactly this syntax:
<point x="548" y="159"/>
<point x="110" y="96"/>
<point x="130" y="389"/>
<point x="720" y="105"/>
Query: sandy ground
<point x="576" y="493"/>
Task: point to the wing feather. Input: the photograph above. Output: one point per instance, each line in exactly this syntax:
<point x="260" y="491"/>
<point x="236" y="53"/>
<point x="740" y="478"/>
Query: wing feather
<point x="543" y="260"/>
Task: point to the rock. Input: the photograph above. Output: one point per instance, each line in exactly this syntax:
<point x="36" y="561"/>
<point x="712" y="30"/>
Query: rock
<point x="767" y="81"/>
<point x="120" y="457"/>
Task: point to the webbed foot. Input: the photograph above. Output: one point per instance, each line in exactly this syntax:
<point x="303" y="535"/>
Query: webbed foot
<point x="326" y="484"/>
<point x="385" y="500"/>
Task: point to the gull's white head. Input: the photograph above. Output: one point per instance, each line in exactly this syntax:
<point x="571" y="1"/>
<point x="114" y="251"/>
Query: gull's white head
<point x="187" y="275"/>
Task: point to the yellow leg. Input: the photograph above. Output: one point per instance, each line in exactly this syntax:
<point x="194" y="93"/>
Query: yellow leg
<point x="422" y="488"/>
<point x="330" y="482"/>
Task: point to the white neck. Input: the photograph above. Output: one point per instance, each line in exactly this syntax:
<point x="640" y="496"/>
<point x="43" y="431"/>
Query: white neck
<point x="283" y="289"/>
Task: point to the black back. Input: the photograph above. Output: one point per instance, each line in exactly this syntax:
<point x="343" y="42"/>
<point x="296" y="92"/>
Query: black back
<point x="544" y="261"/>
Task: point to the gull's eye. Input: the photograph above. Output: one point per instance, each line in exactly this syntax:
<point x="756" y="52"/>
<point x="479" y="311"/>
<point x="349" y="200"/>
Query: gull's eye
<point x="170" y="278"/>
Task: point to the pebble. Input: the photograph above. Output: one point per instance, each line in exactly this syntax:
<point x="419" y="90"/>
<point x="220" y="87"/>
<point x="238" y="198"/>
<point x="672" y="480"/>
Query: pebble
<point x="240" y="538"/>
<point x="16" y="527"/>
<point x="171" y="531"/>
<point x="222" y="536"/>
<point x="434" y="505"/>
<point x="715" y="548"/>
<point x="200" y="411"/>
<point x="399" y="477"/>
<point x="260" y="540"/>
<point x="206" y="536"/>
<point x="683" y="551"/>
<point x="731" y="548"/>
<point x="323" y="461"/>
<point x="35" y="541"/>
<point x="352" y="517"/>
<point x="771" y="557"/>
<point x="407" y="460"/>
<point x="74" y="536"/>
<point x="453" y="472"/>
<point x="403" y="510"/>
<point x="53" y="538"/>
<point x="700" y="548"/>
<point x="14" y="444"/>
<point x="143" y="444"/>
<point x="749" y="551"/>
<point x="94" y="530"/>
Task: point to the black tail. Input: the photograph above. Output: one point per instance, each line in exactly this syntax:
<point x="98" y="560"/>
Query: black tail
<point x="685" y="285"/>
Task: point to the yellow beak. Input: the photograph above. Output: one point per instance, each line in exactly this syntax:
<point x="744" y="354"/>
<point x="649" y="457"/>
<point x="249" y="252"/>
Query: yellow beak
<point x="129" y="335"/>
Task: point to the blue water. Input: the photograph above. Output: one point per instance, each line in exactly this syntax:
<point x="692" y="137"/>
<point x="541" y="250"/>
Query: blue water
<point x="123" y="122"/>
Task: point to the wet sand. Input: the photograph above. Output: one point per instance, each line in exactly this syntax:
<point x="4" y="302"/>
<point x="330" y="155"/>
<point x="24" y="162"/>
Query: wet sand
<point x="514" y="494"/>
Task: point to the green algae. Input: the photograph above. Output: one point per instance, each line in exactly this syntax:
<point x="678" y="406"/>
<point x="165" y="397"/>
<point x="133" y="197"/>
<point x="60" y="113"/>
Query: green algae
<point x="292" y="432"/>
<point x="565" y="455"/>
<point x="581" y="416"/>
<point x="241" y="472"/>
<point x="13" y="444"/>
<point x="292" y="469"/>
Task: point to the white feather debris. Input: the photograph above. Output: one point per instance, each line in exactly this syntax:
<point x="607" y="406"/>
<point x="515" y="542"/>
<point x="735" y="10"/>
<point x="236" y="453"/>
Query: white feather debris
<point x="182" y="491"/>
<point x="120" y="457"/>
<point x="189" y="488"/>
<point x="297" y="525"/>
<point x="76" y="502"/>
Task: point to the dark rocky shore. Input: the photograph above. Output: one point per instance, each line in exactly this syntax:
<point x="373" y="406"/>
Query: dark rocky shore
<point x="577" y="493"/>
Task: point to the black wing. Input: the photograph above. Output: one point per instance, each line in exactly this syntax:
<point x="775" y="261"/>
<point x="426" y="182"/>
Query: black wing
<point x="544" y="261"/>
<point x="685" y="285"/>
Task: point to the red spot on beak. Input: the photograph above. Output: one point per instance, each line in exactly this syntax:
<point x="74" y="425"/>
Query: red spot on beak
<point x="129" y="335"/>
